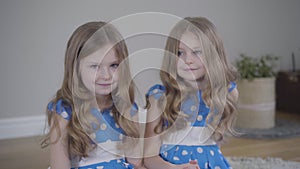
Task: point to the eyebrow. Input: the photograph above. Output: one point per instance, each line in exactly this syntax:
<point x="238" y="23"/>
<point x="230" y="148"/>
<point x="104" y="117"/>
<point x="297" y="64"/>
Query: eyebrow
<point x="116" y="60"/>
<point x="93" y="62"/>
<point x="195" y="48"/>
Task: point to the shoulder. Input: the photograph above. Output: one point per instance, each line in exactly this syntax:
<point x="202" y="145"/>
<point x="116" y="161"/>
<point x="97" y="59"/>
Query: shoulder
<point x="156" y="100"/>
<point x="61" y="108"/>
<point x="233" y="92"/>
<point x="156" y="91"/>
<point x="232" y="86"/>
<point x="134" y="109"/>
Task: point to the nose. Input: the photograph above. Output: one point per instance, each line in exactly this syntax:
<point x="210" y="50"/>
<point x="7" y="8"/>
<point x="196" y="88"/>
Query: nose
<point x="104" y="73"/>
<point x="189" y="59"/>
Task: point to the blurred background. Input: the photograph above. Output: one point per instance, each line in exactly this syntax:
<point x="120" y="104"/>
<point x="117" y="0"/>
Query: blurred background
<point x="34" y="34"/>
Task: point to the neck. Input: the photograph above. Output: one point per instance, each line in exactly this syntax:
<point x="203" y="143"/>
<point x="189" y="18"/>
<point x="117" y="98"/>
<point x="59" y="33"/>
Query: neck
<point x="104" y="102"/>
<point x="201" y="83"/>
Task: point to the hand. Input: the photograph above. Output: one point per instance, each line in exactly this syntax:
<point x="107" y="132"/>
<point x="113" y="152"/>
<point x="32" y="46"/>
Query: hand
<point x="191" y="165"/>
<point x="141" y="167"/>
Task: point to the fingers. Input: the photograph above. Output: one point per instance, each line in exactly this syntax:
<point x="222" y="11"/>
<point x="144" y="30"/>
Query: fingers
<point x="193" y="162"/>
<point x="192" y="165"/>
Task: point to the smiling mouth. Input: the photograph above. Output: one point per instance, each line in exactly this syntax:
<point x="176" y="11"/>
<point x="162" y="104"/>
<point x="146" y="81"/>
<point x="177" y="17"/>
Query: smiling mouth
<point x="190" y="69"/>
<point x="104" y="85"/>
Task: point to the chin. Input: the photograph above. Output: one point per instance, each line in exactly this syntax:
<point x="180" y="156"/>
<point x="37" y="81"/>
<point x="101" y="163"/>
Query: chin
<point x="191" y="78"/>
<point x="103" y="92"/>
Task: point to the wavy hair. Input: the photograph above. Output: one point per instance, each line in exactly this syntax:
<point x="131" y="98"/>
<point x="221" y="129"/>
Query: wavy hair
<point x="85" y="40"/>
<point x="219" y="74"/>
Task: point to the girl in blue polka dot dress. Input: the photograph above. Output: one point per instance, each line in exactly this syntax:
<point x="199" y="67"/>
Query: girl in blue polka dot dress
<point x="93" y="114"/>
<point x="189" y="114"/>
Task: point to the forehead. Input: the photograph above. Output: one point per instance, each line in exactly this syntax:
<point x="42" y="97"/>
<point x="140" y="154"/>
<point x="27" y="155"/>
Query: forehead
<point x="104" y="54"/>
<point x="190" y="40"/>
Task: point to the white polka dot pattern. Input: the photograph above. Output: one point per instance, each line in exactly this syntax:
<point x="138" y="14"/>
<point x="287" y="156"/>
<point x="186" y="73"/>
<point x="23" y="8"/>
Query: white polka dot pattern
<point x="206" y="165"/>
<point x="199" y="150"/>
<point x="184" y="152"/>
<point x="205" y="156"/>
<point x="103" y="126"/>
<point x="64" y="114"/>
<point x="193" y="108"/>
<point x="155" y="91"/>
<point x="199" y="117"/>
<point x="93" y="136"/>
<point x="176" y="158"/>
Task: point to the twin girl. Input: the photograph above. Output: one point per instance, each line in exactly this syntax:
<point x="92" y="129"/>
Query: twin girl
<point x="93" y="118"/>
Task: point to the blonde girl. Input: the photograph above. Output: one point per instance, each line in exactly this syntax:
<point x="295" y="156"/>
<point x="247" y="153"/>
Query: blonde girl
<point x="94" y="110"/>
<point x="189" y="114"/>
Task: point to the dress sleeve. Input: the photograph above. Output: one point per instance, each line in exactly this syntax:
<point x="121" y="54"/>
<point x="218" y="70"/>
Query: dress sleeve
<point x="61" y="108"/>
<point x="232" y="86"/>
<point x="134" y="109"/>
<point x="156" y="91"/>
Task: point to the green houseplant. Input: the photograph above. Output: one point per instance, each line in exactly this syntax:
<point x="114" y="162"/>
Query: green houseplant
<point x="256" y="107"/>
<point x="250" y="68"/>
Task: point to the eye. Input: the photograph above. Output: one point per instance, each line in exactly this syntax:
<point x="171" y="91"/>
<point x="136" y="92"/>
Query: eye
<point x="197" y="52"/>
<point x="180" y="53"/>
<point x="95" y="66"/>
<point x="114" y="65"/>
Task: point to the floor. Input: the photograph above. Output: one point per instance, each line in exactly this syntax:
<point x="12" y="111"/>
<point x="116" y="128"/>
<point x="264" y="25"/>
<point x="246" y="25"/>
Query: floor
<point x="23" y="153"/>
<point x="287" y="149"/>
<point x="26" y="152"/>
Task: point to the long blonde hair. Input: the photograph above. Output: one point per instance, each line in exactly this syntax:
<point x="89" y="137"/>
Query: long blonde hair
<point x="85" y="40"/>
<point x="219" y="74"/>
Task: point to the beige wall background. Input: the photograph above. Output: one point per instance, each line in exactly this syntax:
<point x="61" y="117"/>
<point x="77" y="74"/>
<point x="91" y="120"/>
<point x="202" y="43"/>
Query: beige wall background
<point x="34" y="35"/>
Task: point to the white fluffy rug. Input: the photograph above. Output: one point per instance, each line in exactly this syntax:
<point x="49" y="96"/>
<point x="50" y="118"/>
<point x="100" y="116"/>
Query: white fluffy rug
<point x="260" y="163"/>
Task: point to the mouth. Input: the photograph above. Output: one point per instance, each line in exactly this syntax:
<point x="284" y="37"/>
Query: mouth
<point x="103" y="84"/>
<point x="190" y="69"/>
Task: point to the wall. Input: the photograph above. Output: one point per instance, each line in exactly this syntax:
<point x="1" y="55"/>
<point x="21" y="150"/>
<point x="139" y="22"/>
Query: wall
<point x="34" y="35"/>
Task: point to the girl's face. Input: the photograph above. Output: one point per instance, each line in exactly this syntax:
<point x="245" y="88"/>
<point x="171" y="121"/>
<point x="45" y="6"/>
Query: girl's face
<point x="99" y="71"/>
<point x="189" y="65"/>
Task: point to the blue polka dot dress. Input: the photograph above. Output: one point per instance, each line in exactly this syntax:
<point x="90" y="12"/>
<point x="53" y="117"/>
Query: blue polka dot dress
<point x="194" y="142"/>
<point x="107" y="137"/>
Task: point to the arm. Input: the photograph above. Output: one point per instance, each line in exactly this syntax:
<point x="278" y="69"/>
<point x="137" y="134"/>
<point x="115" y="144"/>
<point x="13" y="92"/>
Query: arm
<point x="234" y="94"/>
<point x="153" y="141"/>
<point x="59" y="158"/>
<point x="134" y="150"/>
<point x="136" y="162"/>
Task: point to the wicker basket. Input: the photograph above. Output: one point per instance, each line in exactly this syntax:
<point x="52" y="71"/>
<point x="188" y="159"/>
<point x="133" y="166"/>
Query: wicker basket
<point x="256" y="107"/>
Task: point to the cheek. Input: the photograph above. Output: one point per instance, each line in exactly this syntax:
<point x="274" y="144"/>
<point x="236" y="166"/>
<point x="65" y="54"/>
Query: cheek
<point x="115" y="75"/>
<point x="88" y="77"/>
<point x="202" y="66"/>
<point x="180" y="63"/>
<point x="201" y="60"/>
